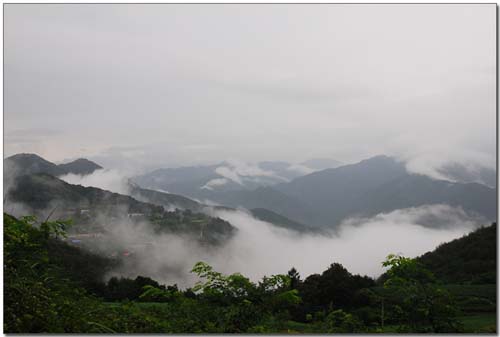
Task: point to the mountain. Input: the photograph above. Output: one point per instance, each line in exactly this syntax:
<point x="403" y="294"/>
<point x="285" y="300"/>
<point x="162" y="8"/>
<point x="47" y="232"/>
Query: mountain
<point x="91" y="209"/>
<point x="33" y="173"/>
<point x="268" y="198"/>
<point x="417" y="190"/>
<point x="325" y="198"/>
<point x="204" y="181"/>
<point x="29" y="163"/>
<point x="471" y="259"/>
<point x="163" y="178"/>
<point x="380" y="184"/>
<point x="41" y="191"/>
<point x="280" y="221"/>
<point x="80" y="166"/>
<point x="166" y="200"/>
<point x="280" y="168"/>
<point x="177" y="201"/>
<point x="321" y="163"/>
<point x="319" y="199"/>
<point x="332" y="194"/>
<point x="461" y="173"/>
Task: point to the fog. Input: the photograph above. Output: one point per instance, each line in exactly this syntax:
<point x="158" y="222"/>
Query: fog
<point x="136" y="87"/>
<point x="110" y="180"/>
<point x="259" y="248"/>
<point x="146" y="86"/>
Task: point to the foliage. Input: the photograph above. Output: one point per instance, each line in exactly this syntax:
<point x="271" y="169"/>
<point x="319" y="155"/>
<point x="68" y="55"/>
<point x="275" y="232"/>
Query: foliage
<point x="335" y="287"/>
<point x="154" y="294"/>
<point x="50" y="287"/>
<point x="36" y="291"/>
<point x="273" y="293"/>
<point x="468" y="260"/>
<point x="421" y="305"/>
<point x="119" y="289"/>
<point x="340" y="321"/>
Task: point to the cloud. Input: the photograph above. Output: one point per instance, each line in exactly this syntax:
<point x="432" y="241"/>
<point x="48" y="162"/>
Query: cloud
<point x="242" y="99"/>
<point x="435" y="162"/>
<point x="259" y="249"/>
<point x="241" y="172"/>
<point x="110" y="180"/>
<point x="228" y="173"/>
<point x="302" y="169"/>
<point x="214" y="183"/>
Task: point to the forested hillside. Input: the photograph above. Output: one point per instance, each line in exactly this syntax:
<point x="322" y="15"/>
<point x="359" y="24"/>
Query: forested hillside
<point x="471" y="259"/>
<point x="52" y="287"/>
<point x="92" y="208"/>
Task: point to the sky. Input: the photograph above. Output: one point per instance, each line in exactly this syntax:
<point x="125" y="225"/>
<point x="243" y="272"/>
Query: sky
<point x="170" y="85"/>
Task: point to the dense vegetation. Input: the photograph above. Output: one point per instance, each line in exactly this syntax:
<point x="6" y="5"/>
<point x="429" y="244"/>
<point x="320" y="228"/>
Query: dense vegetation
<point x="51" y="287"/>
<point x="468" y="260"/>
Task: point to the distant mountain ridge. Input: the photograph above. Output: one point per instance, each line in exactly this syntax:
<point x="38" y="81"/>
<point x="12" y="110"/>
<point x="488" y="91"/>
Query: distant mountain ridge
<point x="321" y="163"/>
<point x="464" y="174"/>
<point x="36" y="186"/>
<point x="322" y="199"/>
<point x="375" y="185"/>
<point x="166" y="200"/>
<point x="80" y="166"/>
<point x="281" y="221"/>
<point x="29" y="163"/>
<point x="381" y="184"/>
<point x="203" y="181"/>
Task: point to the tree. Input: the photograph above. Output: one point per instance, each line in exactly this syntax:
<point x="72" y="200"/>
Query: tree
<point x="294" y="276"/>
<point x="420" y="303"/>
<point x="339" y="321"/>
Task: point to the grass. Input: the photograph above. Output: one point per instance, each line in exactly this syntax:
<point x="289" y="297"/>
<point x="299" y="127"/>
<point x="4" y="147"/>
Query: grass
<point x="488" y="291"/>
<point x="480" y="323"/>
<point x="476" y="322"/>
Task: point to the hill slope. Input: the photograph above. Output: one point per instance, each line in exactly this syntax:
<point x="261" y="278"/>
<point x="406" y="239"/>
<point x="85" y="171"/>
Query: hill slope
<point x="92" y="207"/>
<point x="380" y="184"/>
<point x="80" y="166"/>
<point x="279" y="220"/>
<point x="167" y="200"/>
<point x="29" y="163"/>
<point x="469" y="259"/>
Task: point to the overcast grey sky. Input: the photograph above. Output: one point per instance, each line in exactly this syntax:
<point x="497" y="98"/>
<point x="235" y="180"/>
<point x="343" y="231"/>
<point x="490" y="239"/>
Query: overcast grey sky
<point x="165" y="85"/>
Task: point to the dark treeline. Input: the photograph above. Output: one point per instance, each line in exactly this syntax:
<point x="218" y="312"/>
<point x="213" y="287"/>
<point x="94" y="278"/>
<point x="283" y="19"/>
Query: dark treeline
<point x="53" y="287"/>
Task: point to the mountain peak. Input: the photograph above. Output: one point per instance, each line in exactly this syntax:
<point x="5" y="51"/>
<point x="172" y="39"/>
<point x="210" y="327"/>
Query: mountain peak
<point x="80" y="166"/>
<point x="379" y="158"/>
<point x="30" y="163"/>
<point x="321" y="163"/>
<point x="26" y="156"/>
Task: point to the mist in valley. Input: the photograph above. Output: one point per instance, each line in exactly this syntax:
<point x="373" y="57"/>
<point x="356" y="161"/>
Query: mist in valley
<point x="259" y="248"/>
<point x="256" y="139"/>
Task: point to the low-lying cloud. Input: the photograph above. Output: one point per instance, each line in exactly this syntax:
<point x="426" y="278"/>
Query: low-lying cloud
<point x="241" y="172"/>
<point x="110" y="180"/>
<point x="259" y="248"/>
<point x="214" y="183"/>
